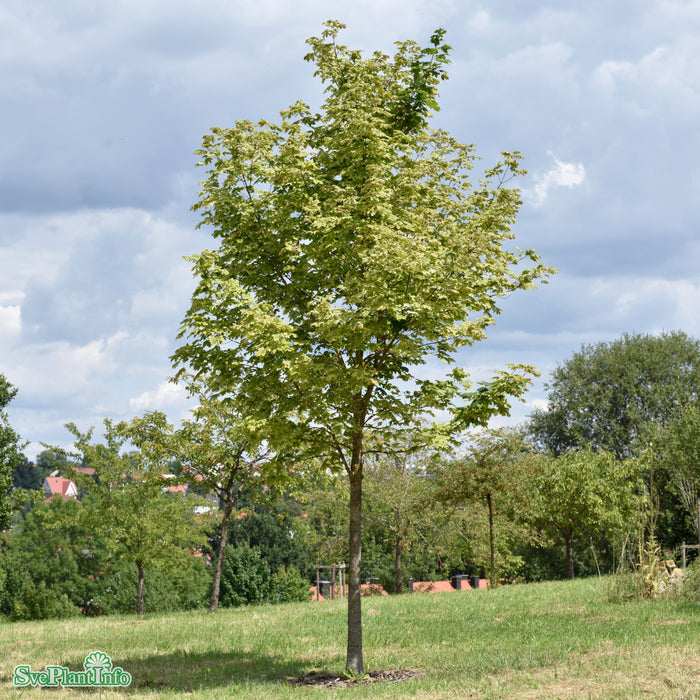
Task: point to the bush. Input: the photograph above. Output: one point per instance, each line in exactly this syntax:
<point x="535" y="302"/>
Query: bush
<point x="245" y="578"/>
<point x="182" y="587"/>
<point x="690" y="589"/>
<point x="22" y="599"/>
<point x="289" y="586"/>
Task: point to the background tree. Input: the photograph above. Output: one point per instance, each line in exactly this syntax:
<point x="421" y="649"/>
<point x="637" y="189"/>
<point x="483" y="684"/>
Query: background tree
<point x="51" y="460"/>
<point x="279" y="530"/>
<point x="145" y="526"/>
<point x="583" y="492"/>
<point x="180" y="584"/>
<point x="614" y="395"/>
<point x="222" y="453"/>
<point x="679" y="446"/>
<point x="400" y="497"/>
<point x="26" y="475"/>
<point x="352" y="248"/>
<point x="55" y="543"/>
<point x="10" y="452"/>
<point x="492" y="470"/>
<point x="324" y="499"/>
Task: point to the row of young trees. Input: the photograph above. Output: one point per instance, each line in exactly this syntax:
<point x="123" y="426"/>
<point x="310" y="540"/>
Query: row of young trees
<point x="501" y="505"/>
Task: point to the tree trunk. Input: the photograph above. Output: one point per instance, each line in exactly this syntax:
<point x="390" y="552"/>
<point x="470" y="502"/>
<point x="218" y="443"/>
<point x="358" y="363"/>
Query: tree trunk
<point x="354" y="661"/>
<point x="220" y="553"/>
<point x="569" y="538"/>
<point x="493" y="582"/>
<point x="398" y="548"/>
<point x="140" y="608"/>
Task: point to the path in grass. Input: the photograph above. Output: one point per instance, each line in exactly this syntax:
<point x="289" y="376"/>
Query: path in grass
<point x="555" y="640"/>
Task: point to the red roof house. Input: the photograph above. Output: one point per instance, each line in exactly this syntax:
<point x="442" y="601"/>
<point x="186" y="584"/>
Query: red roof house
<point x="58" y="486"/>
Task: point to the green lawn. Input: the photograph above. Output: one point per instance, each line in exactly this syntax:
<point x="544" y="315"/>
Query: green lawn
<point x="553" y="640"/>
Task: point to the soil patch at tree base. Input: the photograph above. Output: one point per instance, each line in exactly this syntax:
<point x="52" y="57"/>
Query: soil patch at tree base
<point x="333" y="680"/>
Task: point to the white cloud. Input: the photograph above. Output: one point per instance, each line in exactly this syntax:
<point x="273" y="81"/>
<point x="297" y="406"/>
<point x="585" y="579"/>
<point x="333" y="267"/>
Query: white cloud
<point x="10" y="321"/>
<point x="63" y="373"/>
<point x="538" y="404"/>
<point x="657" y="303"/>
<point x="166" y="395"/>
<point x="561" y="175"/>
<point x="665" y="76"/>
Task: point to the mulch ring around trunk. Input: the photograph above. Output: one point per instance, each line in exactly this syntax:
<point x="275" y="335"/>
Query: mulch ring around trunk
<point x="333" y="680"/>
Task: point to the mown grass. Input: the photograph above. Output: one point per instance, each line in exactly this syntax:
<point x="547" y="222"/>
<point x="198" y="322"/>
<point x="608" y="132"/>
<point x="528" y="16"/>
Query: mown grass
<point x="553" y="640"/>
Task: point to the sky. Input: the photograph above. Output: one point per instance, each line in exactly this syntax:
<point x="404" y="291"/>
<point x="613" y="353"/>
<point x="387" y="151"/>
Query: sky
<point x="104" y="103"/>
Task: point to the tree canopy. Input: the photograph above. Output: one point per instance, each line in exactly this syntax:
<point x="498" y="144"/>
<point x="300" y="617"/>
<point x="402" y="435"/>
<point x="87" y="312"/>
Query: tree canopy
<point x="131" y="506"/>
<point x="583" y="492"/>
<point x="679" y="446"/>
<point x="10" y="451"/>
<point x="352" y="248"/>
<point x="614" y="395"/>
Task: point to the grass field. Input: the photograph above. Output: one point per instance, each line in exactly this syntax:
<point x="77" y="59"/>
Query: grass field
<point x="552" y="640"/>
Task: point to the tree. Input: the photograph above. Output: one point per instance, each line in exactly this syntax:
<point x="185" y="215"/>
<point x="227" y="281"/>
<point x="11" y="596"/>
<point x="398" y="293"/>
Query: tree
<point x="352" y="249"/>
<point x="400" y="495"/>
<point x="613" y="396"/>
<point x="55" y="543"/>
<point x="51" y="460"/>
<point x="582" y="492"/>
<point x="279" y="530"/>
<point x="10" y="452"/>
<point x="145" y="524"/>
<point x="227" y="457"/>
<point x="679" y="446"/>
<point x="492" y="470"/>
<point x="27" y="476"/>
<point x="222" y="453"/>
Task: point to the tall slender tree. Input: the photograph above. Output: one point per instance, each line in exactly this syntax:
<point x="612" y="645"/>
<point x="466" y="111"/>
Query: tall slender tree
<point x="222" y="454"/>
<point x="352" y="249"/>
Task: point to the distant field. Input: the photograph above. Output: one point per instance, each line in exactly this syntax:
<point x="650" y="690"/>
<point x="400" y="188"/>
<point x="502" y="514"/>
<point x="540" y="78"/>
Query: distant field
<point x="553" y="640"/>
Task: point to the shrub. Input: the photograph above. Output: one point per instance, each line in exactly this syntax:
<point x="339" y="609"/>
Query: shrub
<point x="22" y="599"/>
<point x="289" y="586"/>
<point x="182" y="587"/>
<point x="245" y="578"/>
<point x="690" y="589"/>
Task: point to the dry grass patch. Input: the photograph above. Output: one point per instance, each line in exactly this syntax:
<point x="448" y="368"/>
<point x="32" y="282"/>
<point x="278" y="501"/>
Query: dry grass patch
<point x="607" y="673"/>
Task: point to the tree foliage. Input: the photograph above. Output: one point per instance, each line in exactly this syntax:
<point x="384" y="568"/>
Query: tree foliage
<point x="614" y="395"/>
<point x="56" y="544"/>
<point x="679" y="446"/>
<point x="145" y="524"/>
<point x="352" y="248"/>
<point x="10" y="452"/>
<point x="583" y="492"/>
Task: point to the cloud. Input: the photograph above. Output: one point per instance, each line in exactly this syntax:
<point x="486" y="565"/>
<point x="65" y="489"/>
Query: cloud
<point x="64" y="372"/>
<point x="561" y="175"/>
<point x="165" y="396"/>
<point x="10" y="321"/>
<point x="668" y="70"/>
<point x="538" y="404"/>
